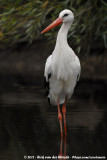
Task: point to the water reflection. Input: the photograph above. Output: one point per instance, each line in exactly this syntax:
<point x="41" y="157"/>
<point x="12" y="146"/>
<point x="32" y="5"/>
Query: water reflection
<point x="29" y="126"/>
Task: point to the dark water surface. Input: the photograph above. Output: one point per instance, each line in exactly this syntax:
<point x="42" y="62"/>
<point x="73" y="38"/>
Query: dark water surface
<point x="29" y="126"/>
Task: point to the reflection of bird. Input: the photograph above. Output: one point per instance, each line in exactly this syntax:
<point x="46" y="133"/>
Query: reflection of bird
<point x="62" y="69"/>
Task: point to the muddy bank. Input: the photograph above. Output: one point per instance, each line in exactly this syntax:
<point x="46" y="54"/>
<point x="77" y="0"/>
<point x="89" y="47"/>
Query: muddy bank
<point x="27" y="62"/>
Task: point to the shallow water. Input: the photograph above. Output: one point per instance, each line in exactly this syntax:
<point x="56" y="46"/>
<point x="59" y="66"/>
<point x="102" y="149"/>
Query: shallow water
<point x="30" y="127"/>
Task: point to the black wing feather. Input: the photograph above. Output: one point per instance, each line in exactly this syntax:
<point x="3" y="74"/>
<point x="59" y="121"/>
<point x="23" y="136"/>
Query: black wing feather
<point x="46" y="85"/>
<point x="78" y="77"/>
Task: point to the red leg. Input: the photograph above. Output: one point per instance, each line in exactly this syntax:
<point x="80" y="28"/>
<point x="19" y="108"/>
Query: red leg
<point x="60" y="117"/>
<point x="64" y="113"/>
<point x="65" y="146"/>
<point x="60" y="153"/>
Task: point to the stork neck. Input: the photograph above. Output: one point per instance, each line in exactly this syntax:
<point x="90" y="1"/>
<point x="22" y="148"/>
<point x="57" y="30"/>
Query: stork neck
<point x="62" y="35"/>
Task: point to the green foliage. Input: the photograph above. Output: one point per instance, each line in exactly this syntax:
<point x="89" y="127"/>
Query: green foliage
<point x="24" y="20"/>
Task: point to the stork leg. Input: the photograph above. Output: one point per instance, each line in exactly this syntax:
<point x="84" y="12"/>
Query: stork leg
<point x="60" y="153"/>
<point x="65" y="145"/>
<point x="60" y="117"/>
<point x="64" y="115"/>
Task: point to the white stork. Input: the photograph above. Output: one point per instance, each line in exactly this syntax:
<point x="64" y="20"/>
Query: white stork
<point x="62" y="69"/>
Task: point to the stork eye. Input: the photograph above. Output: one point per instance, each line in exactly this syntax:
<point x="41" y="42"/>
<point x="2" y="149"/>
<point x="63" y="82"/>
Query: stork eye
<point x="65" y="15"/>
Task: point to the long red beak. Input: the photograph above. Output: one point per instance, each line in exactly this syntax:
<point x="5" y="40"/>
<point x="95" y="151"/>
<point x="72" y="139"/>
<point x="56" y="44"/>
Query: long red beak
<point x="52" y="25"/>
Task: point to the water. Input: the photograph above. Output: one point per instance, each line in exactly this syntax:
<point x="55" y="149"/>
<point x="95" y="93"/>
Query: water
<point x="30" y="127"/>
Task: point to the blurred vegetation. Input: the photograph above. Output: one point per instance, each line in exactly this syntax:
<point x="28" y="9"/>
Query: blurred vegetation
<point x="22" y="21"/>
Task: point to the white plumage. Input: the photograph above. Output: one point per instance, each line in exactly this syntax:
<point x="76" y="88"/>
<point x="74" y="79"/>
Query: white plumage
<point x="62" y="69"/>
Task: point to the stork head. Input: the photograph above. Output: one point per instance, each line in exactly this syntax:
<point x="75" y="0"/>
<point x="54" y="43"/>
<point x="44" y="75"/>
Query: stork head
<point x="65" y="16"/>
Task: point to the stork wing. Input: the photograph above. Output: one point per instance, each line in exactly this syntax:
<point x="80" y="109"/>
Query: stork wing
<point x="79" y="70"/>
<point x="47" y="74"/>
